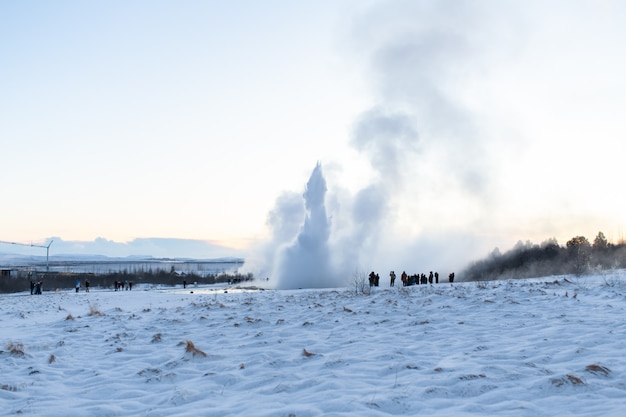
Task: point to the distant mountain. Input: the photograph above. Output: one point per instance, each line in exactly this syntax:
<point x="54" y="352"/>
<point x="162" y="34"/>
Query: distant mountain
<point x="137" y="248"/>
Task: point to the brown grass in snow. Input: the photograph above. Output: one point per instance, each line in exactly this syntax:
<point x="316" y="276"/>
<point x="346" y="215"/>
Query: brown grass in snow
<point x="191" y="348"/>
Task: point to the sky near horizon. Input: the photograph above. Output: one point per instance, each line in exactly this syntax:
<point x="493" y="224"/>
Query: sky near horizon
<point x="495" y="121"/>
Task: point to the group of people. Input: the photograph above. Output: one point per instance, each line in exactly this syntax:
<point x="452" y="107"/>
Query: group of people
<point x="374" y="279"/>
<point x="126" y="285"/>
<point x="36" y="287"/>
<point x="415" y="279"/>
<point x="77" y="285"/>
<point x="118" y="285"/>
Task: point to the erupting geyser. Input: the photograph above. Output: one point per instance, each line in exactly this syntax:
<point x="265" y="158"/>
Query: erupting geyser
<point x="305" y="263"/>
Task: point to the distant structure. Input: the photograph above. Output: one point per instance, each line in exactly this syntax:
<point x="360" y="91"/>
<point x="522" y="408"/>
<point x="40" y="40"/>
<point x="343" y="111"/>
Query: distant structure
<point x="47" y="247"/>
<point x="103" y="265"/>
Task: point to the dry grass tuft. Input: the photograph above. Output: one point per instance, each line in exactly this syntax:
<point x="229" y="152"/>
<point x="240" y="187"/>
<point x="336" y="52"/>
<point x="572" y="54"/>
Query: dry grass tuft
<point x="598" y="370"/>
<point x="574" y="380"/>
<point x="94" y="311"/>
<point x="52" y="358"/>
<point x="16" y="349"/>
<point x="156" y="338"/>
<point x="191" y="348"/>
<point x="69" y="317"/>
<point x="567" y="379"/>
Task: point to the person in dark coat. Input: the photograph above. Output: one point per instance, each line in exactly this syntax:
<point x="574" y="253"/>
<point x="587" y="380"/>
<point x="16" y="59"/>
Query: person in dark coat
<point x="372" y="278"/>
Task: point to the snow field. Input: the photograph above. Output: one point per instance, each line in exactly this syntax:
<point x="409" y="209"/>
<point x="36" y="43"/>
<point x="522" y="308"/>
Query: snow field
<point x="539" y="347"/>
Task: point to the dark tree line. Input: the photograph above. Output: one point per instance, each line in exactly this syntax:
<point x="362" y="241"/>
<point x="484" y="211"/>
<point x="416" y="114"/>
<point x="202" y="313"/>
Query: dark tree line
<point x="527" y="260"/>
<point x="53" y="280"/>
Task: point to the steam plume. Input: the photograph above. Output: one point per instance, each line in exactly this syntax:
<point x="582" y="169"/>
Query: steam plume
<point x="305" y="263"/>
<point x="421" y="141"/>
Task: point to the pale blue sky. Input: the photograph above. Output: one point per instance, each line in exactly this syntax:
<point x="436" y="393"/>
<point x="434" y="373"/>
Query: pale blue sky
<point x="188" y="119"/>
<point x="178" y="119"/>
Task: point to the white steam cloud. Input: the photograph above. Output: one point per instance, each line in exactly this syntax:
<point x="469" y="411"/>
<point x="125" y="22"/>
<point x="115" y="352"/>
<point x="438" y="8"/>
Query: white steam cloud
<point x="419" y="139"/>
<point x="305" y="263"/>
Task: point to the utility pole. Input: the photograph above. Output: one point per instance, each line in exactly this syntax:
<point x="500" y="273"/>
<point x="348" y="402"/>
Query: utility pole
<point x="47" y="248"/>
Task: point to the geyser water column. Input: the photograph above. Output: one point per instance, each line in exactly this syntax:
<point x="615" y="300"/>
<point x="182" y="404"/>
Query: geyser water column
<point x="305" y="263"/>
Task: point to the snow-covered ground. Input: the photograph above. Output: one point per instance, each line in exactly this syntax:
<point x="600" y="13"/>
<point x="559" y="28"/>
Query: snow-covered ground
<point x="541" y="347"/>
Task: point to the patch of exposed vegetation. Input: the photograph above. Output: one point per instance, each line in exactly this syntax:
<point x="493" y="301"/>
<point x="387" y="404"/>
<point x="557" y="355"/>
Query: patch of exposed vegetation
<point x="191" y="348"/>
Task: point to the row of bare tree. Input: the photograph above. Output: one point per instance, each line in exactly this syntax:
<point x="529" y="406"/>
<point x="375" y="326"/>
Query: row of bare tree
<point x="579" y="256"/>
